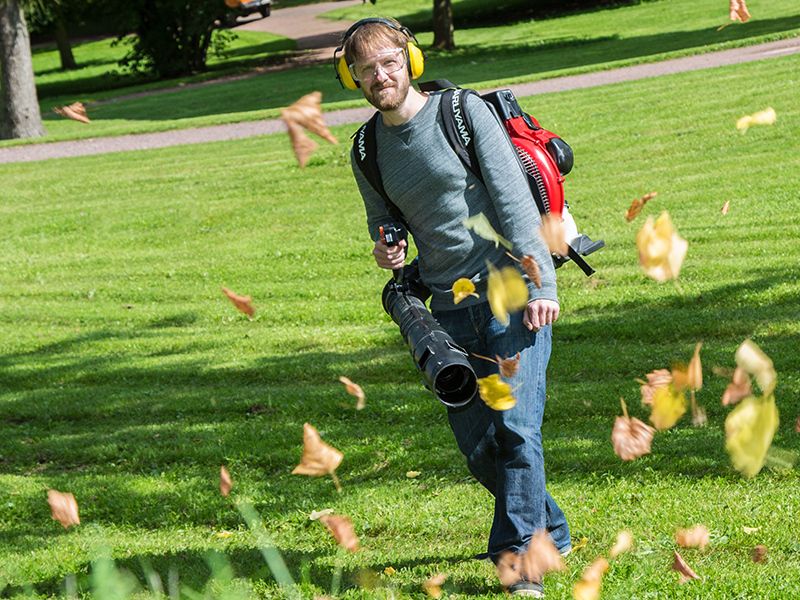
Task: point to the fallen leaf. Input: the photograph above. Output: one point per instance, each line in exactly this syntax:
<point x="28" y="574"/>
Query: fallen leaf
<point x="739" y="387"/>
<point x="354" y="390"/>
<point x="623" y="544"/>
<point x="433" y="585"/>
<point x="661" y="249"/>
<point x="225" y="481"/>
<point x="681" y="567"/>
<point x="749" y="429"/>
<point x="655" y="379"/>
<point x="797" y="425"/>
<point x="694" y="537"/>
<point x="223" y="535"/>
<point x="762" y="117"/>
<point x="531" y="268"/>
<point x="582" y="543"/>
<point x="389" y="571"/>
<point x="668" y="406"/>
<point x="506" y="291"/>
<point x="413" y="474"/>
<point x="751" y="358"/>
<point x="342" y="529"/>
<point x="725" y="207"/>
<point x="463" y="288"/>
<point x="540" y="557"/>
<point x="750" y="529"/>
<point x="317" y="514"/>
<point x="508" y="366"/>
<point x="318" y="458"/>
<point x="759" y="554"/>
<point x="637" y="205"/>
<point x="552" y="231"/>
<point x="75" y="111"/>
<point x="738" y="11"/>
<point x="630" y="437"/>
<point x="63" y="508"/>
<point x="242" y="303"/>
<point x="483" y="228"/>
<point x="496" y="393"/>
<point x="302" y="145"/>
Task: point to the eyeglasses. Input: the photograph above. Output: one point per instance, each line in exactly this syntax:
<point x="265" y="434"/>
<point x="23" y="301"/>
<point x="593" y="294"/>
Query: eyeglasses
<point x="389" y="61"/>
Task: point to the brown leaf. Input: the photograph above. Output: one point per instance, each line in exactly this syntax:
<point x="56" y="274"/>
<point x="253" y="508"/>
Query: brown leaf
<point x="759" y="554"/>
<point x="508" y="568"/>
<point x="433" y="585"/>
<point x="694" y="537"/>
<point x="552" y="231"/>
<point x="225" y="481"/>
<point x="242" y="303"/>
<point x="739" y="387"/>
<point x="631" y="438"/>
<point x="541" y="557"/>
<point x="307" y="112"/>
<point x="797" y="425"/>
<point x="738" y="11"/>
<point x="637" y="206"/>
<point x="655" y="379"/>
<point x="695" y="370"/>
<point x="302" y="145"/>
<point x="725" y="207"/>
<point x="623" y="544"/>
<point x="354" y="390"/>
<point x="342" y="529"/>
<point x="318" y="458"/>
<point x="63" y="508"/>
<point x="531" y="268"/>
<point x="508" y="366"/>
<point x="75" y="111"/>
<point x="685" y="570"/>
<point x="588" y="588"/>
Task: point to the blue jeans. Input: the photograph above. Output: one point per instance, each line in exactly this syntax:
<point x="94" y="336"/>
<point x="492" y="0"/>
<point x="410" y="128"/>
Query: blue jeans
<point x="504" y="448"/>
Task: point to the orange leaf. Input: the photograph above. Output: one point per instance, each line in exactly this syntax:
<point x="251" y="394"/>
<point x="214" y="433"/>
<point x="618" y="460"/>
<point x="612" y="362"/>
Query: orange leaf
<point x="694" y="537"/>
<point x="685" y="570"/>
<point x="623" y="544"/>
<point x="302" y="145"/>
<point x="225" y="481"/>
<point x="759" y="554"/>
<point x="242" y="303"/>
<point x="433" y="585"/>
<point x="540" y="557"/>
<point x="342" y="529"/>
<point x="508" y="366"/>
<point x="739" y="387"/>
<point x="588" y="588"/>
<point x="655" y="379"/>
<point x="63" y="508"/>
<point x="75" y="111"/>
<point x="797" y="425"/>
<point x="694" y="372"/>
<point x="307" y="112"/>
<point x="637" y="206"/>
<point x="531" y="268"/>
<point x="318" y="458"/>
<point x="354" y="390"/>
<point x="738" y="11"/>
<point x="508" y="568"/>
<point x="552" y="231"/>
<point x="631" y="437"/>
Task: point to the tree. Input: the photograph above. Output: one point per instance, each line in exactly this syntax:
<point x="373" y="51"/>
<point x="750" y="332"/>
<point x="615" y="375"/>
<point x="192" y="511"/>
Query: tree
<point x="19" y="107"/>
<point x="443" y="25"/>
<point x="48" y="16"/>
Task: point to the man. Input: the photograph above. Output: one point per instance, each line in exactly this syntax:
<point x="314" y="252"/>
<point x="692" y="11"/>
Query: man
<point x="435" y="193"/>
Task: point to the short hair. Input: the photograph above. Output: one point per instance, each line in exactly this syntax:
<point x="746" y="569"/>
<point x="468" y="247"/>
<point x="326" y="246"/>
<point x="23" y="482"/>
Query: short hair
<point x="371" y="36"/>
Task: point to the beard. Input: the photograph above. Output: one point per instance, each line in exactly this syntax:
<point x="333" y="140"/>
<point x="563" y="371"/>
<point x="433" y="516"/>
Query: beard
<point x="388" y="95"/>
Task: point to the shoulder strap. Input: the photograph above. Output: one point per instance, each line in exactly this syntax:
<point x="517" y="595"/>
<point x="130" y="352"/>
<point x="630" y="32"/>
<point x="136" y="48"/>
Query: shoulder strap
<point x="458" y="127"/>
<point x="365" y="150"/>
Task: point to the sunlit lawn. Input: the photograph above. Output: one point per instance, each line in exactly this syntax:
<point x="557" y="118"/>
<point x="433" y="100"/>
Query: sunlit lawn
<point x="128" y="379"/>
<point x="486" y="56"/>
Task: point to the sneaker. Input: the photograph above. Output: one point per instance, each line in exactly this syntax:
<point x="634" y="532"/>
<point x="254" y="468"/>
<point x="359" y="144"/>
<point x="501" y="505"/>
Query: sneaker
<point x="565" y="552"/>
<point x="529" y="589"/>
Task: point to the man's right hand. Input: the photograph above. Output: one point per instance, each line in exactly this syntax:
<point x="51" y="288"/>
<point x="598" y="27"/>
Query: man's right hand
<point x="390" y="257"/>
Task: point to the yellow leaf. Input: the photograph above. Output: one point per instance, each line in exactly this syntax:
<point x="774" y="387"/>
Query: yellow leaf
<point x="413" y="474"/>
<point x="433" y="585"/>
<point x="496" y="393"/>
<point x="483" y="228"/>
<point x="749" y="429"/>
<point x="462" y="289"/>
<point x="507" y="292"/>
<point x="389" y="571"/>
<point x="668" y="407"/>
<point x="661" y="249"/>
<point x="753" y="360"/>
<point x="762" y="117"/>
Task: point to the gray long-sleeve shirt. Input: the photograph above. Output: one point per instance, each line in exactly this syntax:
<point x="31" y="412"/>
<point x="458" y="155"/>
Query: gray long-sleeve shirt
<point x="435" y="192"/>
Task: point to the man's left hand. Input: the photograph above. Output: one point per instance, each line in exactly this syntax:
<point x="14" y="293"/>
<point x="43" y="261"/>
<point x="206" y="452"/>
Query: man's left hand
<point x="539" y="313"/>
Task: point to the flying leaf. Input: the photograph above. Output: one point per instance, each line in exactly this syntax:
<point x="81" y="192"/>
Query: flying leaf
<point x="588" y="587"/>
<point x="661" y="249"/>
<point x="463" y="288"/>
<point x="225" y="481"/>
<point x="507" y="292"/>
<point x="738" y="11"/>
<point x="749" y="429"/>
<point x="540" y="557"/>
<point x="483" y="228"/>
<point x="668" y="406"/>
<point x="342" y="529"/>
<point x="302" y="145"/>
<point x="725" y="207"/>
<point x="699" y="416"/>
<point x="637" y="205"/>
<point x="433" y="585"/>
<point x="631" y="437"/>
<point x="317" y="514"/>
<point x="508" y="366"/>
<point x="508" y="567"/>
<point x="318" y="458"/>
<point x="307" y="112"/>
<point x="797" y="425"/>
<point x="694" y="537"/>
<point x="242" y="303"/>
<point x="655" y="379"/>
<point x="354" y="390"/>
<point x="623" y="544"/>
<point x="759" y="554"/>
<point x="552" y="231"/>
<point x="63" y="508"/>
<point x="762" y="117"/>
<point x="750" y="358"/>
<point x="684" y="569"/>
<point x="75" y="111"/>
<point x="739" y="387"/>
<point x="695" y="370"/>
<point x="531" y="268"/>
<point x="496" y="393"/>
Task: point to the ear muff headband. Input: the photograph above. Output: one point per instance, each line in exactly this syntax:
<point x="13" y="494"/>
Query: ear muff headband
<point x="415" y="59"/>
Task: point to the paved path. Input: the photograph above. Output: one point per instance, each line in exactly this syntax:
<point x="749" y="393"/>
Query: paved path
<point x="44" y="151"/>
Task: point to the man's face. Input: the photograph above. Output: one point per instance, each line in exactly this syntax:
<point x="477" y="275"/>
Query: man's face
<point x="383" y="76"/>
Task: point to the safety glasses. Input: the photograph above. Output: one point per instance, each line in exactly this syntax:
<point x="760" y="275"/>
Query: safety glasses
<point x="388" y="61"/>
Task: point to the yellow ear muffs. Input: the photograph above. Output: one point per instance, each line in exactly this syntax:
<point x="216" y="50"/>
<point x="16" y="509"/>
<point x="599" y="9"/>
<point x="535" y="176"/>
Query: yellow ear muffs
<point x="416" y="60"/>
<point x="344" y="74"/>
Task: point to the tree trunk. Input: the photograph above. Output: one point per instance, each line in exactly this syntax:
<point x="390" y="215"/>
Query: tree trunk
<point x="62" y="41"/>
<point x="443" y="25"/>
<point x="19" y="107"/>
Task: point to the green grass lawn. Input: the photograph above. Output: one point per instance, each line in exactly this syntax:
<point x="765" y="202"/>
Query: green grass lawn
<point x="485" y="57"/>
<point x="128" y="379"/>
